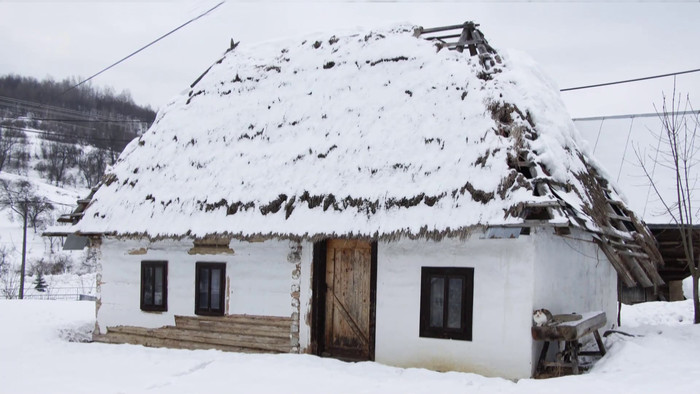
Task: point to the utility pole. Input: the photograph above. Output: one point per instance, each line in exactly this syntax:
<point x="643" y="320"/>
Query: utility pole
<point x="24" y="250"/>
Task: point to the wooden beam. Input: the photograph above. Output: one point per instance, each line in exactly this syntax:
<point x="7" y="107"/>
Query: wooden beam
<point x="634" y="254"/>
<point x="635" y="268"/>
<point x="618" y="217"/>
<point x="616" y="262"/>
<point x="443" y="28"/>
<point x="625" y="245"/>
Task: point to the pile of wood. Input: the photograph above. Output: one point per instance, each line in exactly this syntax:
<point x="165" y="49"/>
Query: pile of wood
<point x="234" y="333"/>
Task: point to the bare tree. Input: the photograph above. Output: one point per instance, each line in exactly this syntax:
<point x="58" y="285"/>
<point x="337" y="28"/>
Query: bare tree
<point x="9" y="140"/>
<point x="92" y="166"/>
<point x="57" y="158"/>
<point x="21" y="198"/>
<point x="9" y="279"/>
<point x="678" y="153"/>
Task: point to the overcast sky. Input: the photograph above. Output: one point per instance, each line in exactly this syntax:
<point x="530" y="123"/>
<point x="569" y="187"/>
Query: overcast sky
<point x="575" y="43"/>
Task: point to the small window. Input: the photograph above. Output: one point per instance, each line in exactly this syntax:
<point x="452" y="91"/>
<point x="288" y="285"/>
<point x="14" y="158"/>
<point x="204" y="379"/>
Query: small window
<point x="447" y="296"/>
<point x="210" y="292"/>
<point x="154" y="285"/>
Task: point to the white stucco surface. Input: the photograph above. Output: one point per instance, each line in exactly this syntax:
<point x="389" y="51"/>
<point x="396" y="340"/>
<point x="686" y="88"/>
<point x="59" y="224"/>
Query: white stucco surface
<point x="503" y="293"/>
<point x="259" y="277"/>
<point x="572" y="275"/>
<point x="511" y="278"/>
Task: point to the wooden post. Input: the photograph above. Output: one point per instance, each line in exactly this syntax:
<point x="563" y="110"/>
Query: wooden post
<point x="24" y="252"/>
<point x="599" y="342"/>
<point x="543" y="356"/>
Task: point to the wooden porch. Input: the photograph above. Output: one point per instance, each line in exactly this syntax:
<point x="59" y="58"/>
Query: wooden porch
<point x="234" y="333"/>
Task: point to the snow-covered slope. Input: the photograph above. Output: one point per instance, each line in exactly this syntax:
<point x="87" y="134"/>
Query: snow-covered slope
<point x="372" y="134"/>
<point x="40" y="250"/>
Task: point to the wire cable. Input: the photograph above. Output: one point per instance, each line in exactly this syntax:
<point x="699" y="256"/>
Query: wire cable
<point x="630" y="80"/>
<point x="145" y="46"/>
<point x="59" y="134"/>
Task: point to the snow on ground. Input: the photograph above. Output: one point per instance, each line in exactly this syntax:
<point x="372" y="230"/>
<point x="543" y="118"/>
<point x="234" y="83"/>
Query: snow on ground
<point x="38" y="358"/>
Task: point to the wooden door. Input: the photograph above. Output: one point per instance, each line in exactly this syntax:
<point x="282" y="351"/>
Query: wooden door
<point x="348" y="300"/>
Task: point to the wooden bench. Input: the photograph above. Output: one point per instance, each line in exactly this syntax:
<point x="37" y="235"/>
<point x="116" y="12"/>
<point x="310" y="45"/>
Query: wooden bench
<point x="569" y="330"/>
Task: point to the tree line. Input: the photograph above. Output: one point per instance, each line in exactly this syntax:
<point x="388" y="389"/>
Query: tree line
<point x="84" y="115"/>
<point x="83" y="128"/>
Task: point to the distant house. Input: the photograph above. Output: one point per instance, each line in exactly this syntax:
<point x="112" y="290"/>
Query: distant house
<point x="377" y="196"/>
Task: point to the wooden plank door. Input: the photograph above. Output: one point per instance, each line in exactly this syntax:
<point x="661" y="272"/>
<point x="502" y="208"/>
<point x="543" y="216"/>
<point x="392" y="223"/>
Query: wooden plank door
<point x="348" y="300"/>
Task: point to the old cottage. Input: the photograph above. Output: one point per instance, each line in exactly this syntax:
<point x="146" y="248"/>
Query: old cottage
<point x="406" y="195"/>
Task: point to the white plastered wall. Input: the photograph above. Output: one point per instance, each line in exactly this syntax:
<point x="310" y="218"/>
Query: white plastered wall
<point x="503" y="277"/>
<point x="572" y="274"/>
<point x="260" y="279"/>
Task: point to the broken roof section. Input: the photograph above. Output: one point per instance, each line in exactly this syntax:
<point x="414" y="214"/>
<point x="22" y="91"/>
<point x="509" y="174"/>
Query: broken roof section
<point x="380" y="134"/>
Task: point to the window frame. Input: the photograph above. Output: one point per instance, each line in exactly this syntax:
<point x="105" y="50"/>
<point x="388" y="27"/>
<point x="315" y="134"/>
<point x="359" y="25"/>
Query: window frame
<point x="146" y="264"/>
<point x="222" y="289"/>
<point x="466" y="274"/>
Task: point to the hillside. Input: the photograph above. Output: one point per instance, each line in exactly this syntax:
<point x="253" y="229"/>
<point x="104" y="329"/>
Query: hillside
<point x="61" y="145"/>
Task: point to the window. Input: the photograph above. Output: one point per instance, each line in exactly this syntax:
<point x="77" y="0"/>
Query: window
<point x="447" y="297"/>
<point x="209" y="294"/>
<point x="154" y="285"/>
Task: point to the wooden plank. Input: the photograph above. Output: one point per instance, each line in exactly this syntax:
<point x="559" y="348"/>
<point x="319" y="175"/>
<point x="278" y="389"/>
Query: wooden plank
<point x="233" y="328"/>
<point x="133" y="339"/>
<point x="252" y="341"/>
<point x="201" y="336"/>
<point x="625" y="245"/>
<point x="636" y="269"/>
<point x="618" y="217"/>
<point x="214" y="339"/>
<point x="615" y="202"/>
<point x="616" y="262"/>
<point x="616" y="234"/>
<point x="243" y="319"/>
<point x="651" y="272"/>
<point x="634" y="254"/>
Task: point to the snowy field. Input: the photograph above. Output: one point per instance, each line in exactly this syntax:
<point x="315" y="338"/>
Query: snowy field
<point x="37" y="356"/>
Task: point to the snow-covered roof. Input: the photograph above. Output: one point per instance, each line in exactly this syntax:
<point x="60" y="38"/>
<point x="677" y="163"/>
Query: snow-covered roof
<point x="372" y="135"/>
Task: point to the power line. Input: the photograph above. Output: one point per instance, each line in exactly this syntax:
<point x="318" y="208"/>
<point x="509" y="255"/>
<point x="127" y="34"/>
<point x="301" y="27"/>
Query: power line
<point x="32" y="201"/>
<point x="82" y="120"/>
<point x="60" y="111"/>
<point x="59" y="134"/>
<point x="146" y="46"/>
<point x="630" y="80"/>
<point x="644" y="115"/>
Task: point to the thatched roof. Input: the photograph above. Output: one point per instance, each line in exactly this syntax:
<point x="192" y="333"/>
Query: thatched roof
<point x="375" y="135"/>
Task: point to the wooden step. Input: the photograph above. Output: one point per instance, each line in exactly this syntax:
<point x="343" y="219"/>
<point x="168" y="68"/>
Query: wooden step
<point x="214" y="339"/>
<point x="272" y="321"/>
<point x="135" y="339"/>
<point x="206" y="325"/>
